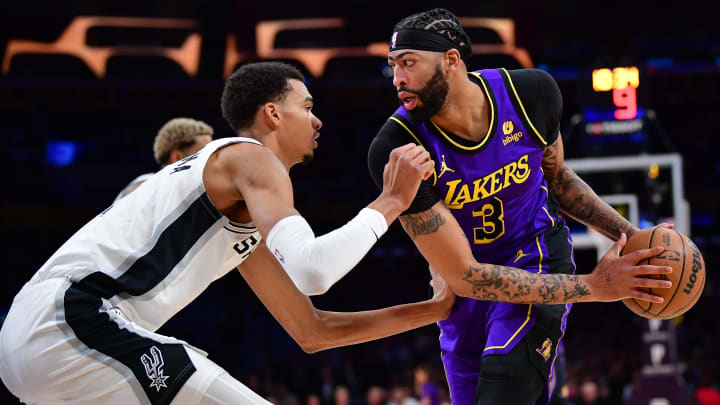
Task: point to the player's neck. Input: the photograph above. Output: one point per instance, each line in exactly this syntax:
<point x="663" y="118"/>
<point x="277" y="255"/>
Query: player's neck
<point x="465" y="112"/>
<point x="269" y="140"/>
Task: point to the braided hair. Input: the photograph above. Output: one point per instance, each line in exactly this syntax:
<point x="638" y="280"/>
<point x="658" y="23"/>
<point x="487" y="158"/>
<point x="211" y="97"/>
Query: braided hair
<point x="443" y="22"/>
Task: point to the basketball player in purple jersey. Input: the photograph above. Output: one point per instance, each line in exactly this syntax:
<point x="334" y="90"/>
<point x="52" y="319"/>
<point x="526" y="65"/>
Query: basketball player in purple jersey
<point x="499" y="184"/>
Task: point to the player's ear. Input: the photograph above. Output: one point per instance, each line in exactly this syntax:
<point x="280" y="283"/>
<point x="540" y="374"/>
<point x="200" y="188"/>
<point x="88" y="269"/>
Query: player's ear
<point x="271" y="115"/>
<point x="175" y="155"/>
<point x="452" y="59"/>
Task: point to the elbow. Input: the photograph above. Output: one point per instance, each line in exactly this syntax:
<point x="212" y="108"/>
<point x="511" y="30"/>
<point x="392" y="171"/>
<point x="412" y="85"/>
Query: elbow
<point x="459" y="287"/>
<point x="461" y="279"/>
<point x="308" y="343"/>
<point x="310" y="348"/>
<point x="314" y="337"/>
<point x="313" y="282"/>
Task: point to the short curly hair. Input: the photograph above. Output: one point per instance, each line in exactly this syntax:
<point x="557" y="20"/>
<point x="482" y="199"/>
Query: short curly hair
<point x="178" y="133"/>
<point x="443" y="22"/>
<point x="253" y="85"/>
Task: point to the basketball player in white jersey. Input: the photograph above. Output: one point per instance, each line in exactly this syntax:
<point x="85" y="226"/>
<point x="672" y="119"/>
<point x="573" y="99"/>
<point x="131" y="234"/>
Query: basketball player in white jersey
<point x="82" y="330"/>
<point x="177" y="139"/>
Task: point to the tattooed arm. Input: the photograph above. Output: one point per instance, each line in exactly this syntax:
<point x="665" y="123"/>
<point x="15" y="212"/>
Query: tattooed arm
<point x="577" y="199"/>
<point x="440" y="239"/>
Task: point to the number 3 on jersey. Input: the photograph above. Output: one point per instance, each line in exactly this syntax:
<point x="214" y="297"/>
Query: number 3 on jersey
<point x="492" y="220"/>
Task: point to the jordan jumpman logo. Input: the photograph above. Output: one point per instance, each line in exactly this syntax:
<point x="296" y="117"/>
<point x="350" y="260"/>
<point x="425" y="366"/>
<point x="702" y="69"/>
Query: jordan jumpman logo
<point x="444" y="168"/>
<point x="519" y="255"/>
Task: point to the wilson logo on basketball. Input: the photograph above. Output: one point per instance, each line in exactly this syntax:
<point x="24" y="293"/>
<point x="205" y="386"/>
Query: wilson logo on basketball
<point x="696" y="267"/>
<point x="687" y="277"/>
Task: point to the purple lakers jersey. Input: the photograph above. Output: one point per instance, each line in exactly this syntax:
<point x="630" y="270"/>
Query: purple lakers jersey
<point x="498" y="194"/>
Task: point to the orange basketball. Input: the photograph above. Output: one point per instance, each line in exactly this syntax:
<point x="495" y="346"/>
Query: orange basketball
<point x="688" y="275"/>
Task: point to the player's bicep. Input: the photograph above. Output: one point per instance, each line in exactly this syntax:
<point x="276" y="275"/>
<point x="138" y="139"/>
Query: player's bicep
<point x="265" y="186"/>
<point x="441" y="241"/>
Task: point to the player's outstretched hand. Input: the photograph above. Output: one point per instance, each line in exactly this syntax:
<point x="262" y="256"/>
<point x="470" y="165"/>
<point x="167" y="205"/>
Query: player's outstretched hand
<point x="616" y="278"/>
<point x="407" y="167"/>
<point x="442" y="294"/>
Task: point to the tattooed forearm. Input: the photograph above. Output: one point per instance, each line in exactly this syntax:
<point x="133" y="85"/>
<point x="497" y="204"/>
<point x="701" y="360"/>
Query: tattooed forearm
<point x="574" y="194"/>
<point x="423" y="223"/>
<point x="491" y="282"/>
<point x="576" y="198"/>
<point x="579" y="201"/>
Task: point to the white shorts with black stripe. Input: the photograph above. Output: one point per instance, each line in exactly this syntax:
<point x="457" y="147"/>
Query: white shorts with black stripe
<point x="61" y="345"/>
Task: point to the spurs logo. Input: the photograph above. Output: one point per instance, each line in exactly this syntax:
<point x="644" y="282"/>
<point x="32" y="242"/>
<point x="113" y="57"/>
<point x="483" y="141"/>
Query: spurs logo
<point x="519" y="255"/>
<point x="545" y="349"/>
<point x="444" y="168"/>
<point x="154" y="368"/>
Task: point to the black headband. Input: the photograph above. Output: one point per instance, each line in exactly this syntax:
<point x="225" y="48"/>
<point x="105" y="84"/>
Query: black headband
<point x="421" y="40"/>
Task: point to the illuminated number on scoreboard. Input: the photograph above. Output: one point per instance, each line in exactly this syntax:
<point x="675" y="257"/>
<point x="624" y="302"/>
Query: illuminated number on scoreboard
<point x="626" y="102"/>
<point x="493" y="222"/>
<point x="623" y="81"/>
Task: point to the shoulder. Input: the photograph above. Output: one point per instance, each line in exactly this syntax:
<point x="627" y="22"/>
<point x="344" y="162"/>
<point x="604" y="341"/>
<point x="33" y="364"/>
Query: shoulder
<point x="395" y="132"/>
<point x="533" y="85"/>
<point x="530" y="76"/>
<point x="141" y="178"/>
<point x="396" y="127"/>
<point x="244" y="153"/>
<point x="250" y="164"/>
<point x="539" y="94"/>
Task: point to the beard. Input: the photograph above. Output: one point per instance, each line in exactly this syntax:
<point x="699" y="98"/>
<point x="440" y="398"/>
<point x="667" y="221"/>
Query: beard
<point x="432" y="95"/>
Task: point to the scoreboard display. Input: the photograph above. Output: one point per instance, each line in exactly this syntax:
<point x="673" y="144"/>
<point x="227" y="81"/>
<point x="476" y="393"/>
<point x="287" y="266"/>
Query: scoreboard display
<point x="613" y="111"/>
<point x="623" y="83"/>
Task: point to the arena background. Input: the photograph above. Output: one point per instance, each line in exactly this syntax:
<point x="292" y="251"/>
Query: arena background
<point x="70" y="140"/>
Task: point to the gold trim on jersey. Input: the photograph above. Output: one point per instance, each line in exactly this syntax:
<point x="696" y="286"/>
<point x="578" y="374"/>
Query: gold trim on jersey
<point x="530" y="306"/>
<point x="522" y="107"/>
<point x="490" y="128"/>
<point x="549" y="216"/>
<point x="537" y="241"/>
<point x="435" y="176"/>
<point x="527" y="319"/>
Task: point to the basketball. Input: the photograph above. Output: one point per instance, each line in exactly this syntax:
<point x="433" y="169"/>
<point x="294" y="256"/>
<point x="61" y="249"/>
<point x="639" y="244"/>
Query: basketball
<point x="688" y="275"/>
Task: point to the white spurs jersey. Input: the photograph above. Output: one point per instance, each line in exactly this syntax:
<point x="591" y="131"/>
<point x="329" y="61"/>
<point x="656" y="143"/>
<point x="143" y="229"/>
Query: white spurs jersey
<point x="154" y="251"/>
